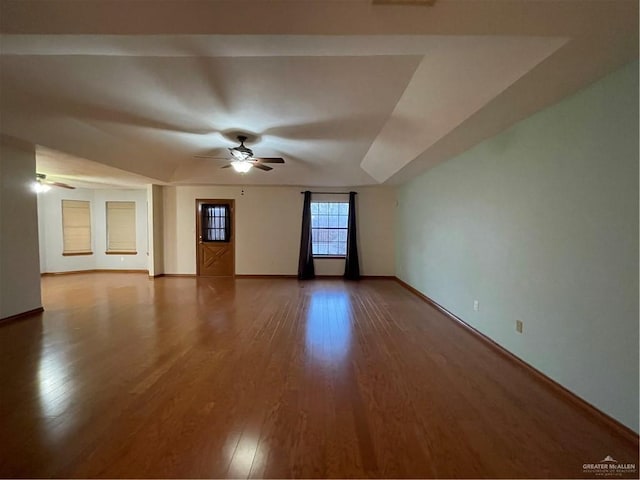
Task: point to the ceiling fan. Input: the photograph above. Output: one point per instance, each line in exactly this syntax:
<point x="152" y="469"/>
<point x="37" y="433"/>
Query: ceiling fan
<point x="43" y="185"/>
<point x="243" y="160"/>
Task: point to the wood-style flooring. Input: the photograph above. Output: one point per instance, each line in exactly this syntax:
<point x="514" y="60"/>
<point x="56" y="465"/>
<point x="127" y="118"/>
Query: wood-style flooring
<point x="123" y="376"/>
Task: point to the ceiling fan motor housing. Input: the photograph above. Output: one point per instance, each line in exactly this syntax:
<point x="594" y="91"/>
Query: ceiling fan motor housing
<point x="247" y="152"/>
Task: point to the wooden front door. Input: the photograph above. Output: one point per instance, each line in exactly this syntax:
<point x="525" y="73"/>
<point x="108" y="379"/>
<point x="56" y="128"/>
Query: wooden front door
<point x="215" y="241"/>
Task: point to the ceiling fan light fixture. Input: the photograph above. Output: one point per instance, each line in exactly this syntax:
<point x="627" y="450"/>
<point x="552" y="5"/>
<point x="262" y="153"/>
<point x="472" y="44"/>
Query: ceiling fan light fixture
<point x="241" y="152"/>
<point x="238" y="154"/>
<point x="40" y="187"/>
<point x="241" y="166"/>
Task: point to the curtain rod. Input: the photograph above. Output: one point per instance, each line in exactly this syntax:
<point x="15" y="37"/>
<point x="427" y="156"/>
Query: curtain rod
<point x="332" y="193"/>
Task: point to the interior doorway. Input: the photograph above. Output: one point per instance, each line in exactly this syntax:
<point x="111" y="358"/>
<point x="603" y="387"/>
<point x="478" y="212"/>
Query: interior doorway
<point x="215" y="238"/>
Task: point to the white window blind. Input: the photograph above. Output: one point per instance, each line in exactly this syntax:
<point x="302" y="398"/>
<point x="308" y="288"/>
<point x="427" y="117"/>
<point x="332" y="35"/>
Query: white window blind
<point x="121" y="227"/>
<point x="76" y="227"/>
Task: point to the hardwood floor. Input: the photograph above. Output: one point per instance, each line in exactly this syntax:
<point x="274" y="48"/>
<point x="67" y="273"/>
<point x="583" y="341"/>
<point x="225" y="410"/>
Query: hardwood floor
<point x="123" y="376"/>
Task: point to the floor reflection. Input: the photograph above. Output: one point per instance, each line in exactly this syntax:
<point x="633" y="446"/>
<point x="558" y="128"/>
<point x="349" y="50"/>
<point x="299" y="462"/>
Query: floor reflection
<point x="329" y="326"/>
<point x="54" y="383"/>
<point x="246" y="455"/>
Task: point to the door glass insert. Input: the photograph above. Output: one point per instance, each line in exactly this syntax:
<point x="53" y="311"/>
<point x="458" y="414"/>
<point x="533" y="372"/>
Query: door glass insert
<point x="216" y="224"/>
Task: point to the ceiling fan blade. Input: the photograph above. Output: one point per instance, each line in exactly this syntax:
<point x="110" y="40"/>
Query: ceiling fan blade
<point x="226" y="166"/>
<point x="211" y="156"/>
<point x="58" y="184"/>
<point x="261" y="167"/>
<point x="269" y="159"/>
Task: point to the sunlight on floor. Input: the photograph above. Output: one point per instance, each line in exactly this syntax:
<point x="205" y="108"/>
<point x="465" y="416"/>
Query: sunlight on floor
<point x="328" y="337"/>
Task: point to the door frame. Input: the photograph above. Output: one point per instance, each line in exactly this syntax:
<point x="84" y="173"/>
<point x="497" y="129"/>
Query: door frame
<point x="232" y="239"/>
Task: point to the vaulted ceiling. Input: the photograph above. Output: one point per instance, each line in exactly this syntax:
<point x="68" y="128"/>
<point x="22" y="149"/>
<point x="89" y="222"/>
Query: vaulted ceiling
<point x="348" y="92"/>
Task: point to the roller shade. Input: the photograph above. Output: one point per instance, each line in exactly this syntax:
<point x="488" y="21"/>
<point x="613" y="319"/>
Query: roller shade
<point x="121" y="227"/>
<point x="76" y="227"/>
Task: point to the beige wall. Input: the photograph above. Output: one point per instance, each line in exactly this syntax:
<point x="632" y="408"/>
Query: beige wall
<point x="155" y="212"/>
<point x="268" y="229"/>
<point x="540" y="224"/>
<point x="19" y="265"/>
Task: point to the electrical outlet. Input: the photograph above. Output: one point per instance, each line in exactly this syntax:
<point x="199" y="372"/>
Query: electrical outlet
<point x="476" y="306"/>
<point x="519" y="326"/>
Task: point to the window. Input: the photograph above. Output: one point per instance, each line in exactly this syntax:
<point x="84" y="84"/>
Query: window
<point x="215" y="223"/>
<point x="76" y="227"/>
<point x="329" y="221"/>
<point x="121" y="228"/>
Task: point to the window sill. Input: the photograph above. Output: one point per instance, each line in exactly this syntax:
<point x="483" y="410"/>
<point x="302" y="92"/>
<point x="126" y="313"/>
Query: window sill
<point x="115" y="252"/>
<point x="329" y="256"/>
<point x="75" y="254"/>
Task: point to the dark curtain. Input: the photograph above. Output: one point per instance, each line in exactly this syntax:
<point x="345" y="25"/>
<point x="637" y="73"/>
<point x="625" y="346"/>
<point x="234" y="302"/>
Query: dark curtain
<point x="351" y="264"/>
<point x="306" y="269"/>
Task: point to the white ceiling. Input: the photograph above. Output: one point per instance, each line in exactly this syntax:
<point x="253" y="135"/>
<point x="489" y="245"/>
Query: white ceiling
<point x="348" y="93"/>
<point x="83" y="173"/>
